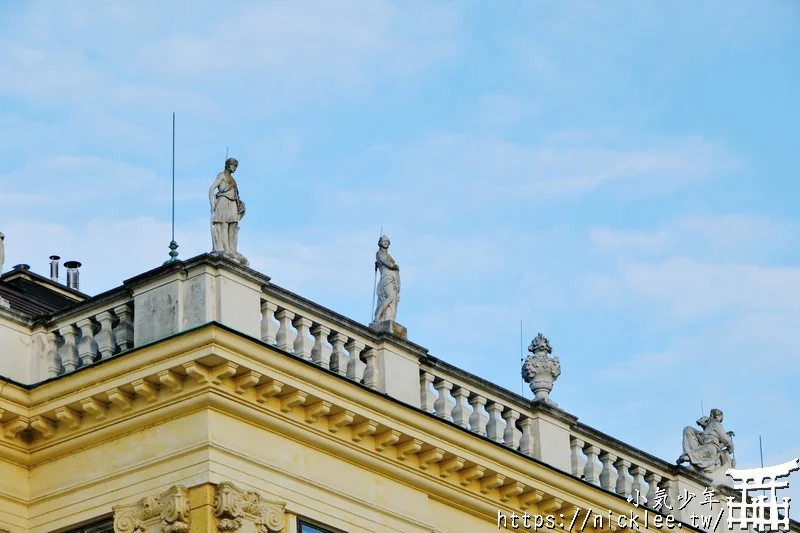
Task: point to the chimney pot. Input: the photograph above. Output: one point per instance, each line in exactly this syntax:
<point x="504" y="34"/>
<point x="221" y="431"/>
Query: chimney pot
<point x="22" y="267"/>
<point x="73" y="280"/>
<point x="54" y="267"/>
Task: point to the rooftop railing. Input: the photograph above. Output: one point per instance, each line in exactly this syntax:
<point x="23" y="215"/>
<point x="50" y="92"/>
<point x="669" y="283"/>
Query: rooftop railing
<point x="110" y="324"/>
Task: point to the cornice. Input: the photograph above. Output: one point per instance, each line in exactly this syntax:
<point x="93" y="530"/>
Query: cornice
<point x="210" y="259"/>
<point x="17" y="317"/>
<point x="54" y="286"/>
<point x="238" y="375"/>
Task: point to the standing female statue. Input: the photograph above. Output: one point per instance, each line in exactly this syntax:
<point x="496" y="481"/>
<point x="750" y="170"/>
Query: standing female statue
<point x="388" y="290"/>
<point x="227" y="209"/>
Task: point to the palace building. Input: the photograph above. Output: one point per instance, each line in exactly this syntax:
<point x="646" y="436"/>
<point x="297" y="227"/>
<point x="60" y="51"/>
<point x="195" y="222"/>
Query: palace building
<point x="202" y="397"/>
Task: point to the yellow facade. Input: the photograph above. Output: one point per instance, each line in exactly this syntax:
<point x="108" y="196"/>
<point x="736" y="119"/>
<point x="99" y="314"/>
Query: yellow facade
<point x="162" y="437"/>
<point x="201" y="397"/>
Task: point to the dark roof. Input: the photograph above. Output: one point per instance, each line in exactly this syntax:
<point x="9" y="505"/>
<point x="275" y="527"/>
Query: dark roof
<point x="23" y="303"/>
<point x="35" y="295"/>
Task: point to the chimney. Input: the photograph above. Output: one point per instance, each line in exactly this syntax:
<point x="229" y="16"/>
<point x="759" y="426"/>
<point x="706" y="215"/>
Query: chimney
<point x="54" y="267"/>
<point x="73" y="281"/>
<point x="22" y="267"/>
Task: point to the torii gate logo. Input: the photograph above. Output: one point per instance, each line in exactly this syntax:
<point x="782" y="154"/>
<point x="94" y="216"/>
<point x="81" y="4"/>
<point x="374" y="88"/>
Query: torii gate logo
<point x="761" y="513"/>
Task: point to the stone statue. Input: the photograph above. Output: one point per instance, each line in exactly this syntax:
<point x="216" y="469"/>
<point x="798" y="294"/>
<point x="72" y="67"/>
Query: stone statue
<point x="540" y="370"/>
<point x="227" y="209"/>
<point x="709" y="451"/>
<point x="2" y="251"/>
<point x="388" y="290"/>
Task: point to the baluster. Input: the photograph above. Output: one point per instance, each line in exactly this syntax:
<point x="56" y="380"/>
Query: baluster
<point x="69" y="352"/>
<point x="670" y="488"/>
<point x="87" y="346"/>
<point x="623" y="483"/>
<point x="575" y="446"/>
<point x="302" y="344"/>
<point x="460" y="411"/>
<point x="607" y="474"/>
<point x="425" y="394"/>
<point x="371" y="373"/>
<point x="478" y="420"/>
<point x="511" y="435"/>
<point x="321" y="352"/>
<point x="653" y="480"/>
<point x="269" y="329"/>
<point x="124" y="329"/>
<point x="526" y="442"/>
<point x="285" y="337"/>
<point x="443" y="406"/>
<point x="52" y="357"/>
<point x="106" y="340"/>
<point x="355" y="367"/>
<point x="637" y="489"/>
<point x="339" y="357"/>
<point x="590" y="473"/>
<point x="494" y="429"/>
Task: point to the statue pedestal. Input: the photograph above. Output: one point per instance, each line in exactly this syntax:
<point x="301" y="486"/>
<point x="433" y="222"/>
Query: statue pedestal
<point x="390" y="326"/>
<point x="721" y="478"/>
<point x="234" y="256"/>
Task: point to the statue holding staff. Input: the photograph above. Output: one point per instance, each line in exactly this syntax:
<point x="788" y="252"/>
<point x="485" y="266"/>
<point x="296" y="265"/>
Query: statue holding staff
<point x="388" y="290"/>
<point x="227" y="209"/>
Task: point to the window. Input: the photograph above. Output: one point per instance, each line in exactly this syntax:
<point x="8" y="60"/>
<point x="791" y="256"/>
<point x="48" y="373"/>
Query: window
<point x="304" y="525"/>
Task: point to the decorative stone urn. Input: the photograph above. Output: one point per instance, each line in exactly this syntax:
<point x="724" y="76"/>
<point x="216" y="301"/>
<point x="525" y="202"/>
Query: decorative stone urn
<point x="540" y="370"/>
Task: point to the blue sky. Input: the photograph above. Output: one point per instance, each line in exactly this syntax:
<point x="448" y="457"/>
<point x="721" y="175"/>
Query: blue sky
<point x="620" y="176"/>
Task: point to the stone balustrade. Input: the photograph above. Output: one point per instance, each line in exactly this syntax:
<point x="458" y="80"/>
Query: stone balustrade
<point x="480" y="412"/>
<point x="334" y="343"/>
<point x="85" y="336"/>
<point x="474" y="404"/>
<point x="620" y="469"/>
<point x="183" y="296"/>
<point x="547" y="434"/>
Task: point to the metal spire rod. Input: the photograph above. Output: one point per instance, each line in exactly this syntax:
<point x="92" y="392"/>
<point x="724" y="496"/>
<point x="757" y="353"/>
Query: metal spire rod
<point x="521" y="358"/>
<point x="173" y="176"/>
<point x="173" y="246"/>
<point x="761" y="453"/>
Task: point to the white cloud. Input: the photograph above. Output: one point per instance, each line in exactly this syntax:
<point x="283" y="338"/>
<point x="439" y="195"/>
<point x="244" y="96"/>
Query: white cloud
<point x="731" y="236"/>
<point x="337" y="44"/>
<point x="272" y="53"/>
<point x="501" y="110"/>
<point x="111" y="250"/>
<point x="721" y="331"/>
<point x="482" y="172"/>
<point x="69" y="185"/>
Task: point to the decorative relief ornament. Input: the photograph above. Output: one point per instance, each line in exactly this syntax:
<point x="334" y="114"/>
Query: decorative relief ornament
<point x="232" y="506"/>
<point x="170" y="511"/>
